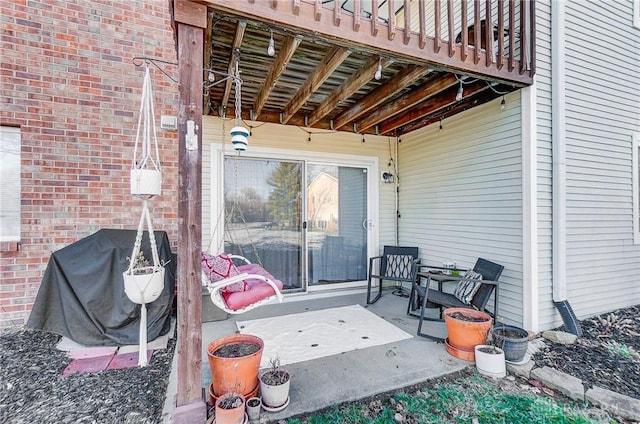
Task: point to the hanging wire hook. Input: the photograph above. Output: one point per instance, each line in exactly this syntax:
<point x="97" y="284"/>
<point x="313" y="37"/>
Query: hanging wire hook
<point x="140" y="60"/>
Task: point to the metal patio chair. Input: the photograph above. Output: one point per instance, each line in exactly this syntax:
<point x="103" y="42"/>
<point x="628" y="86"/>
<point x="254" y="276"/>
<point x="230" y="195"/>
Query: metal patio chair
<point x="426" y="297"/>
<point x="396" y="263"/>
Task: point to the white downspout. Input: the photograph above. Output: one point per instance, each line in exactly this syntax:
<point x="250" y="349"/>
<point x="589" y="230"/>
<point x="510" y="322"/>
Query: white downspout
<point x="558" y="123"/>
<point x="530" y="300"/>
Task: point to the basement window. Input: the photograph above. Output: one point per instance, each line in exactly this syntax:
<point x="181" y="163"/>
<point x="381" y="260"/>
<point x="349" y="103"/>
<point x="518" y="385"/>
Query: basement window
<point x="10" y="187"/>
<point x="636" y="187"/>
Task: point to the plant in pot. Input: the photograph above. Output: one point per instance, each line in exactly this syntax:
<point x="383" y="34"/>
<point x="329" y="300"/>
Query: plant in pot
<point x="234" y="362"/>
<point x="274" y="387"/>
<point x="490" y="359"/>
<point x="513" y="340"/>
<point x="230" y="409"/>
<point x="143" y="282"/>
<point x="466" y="328"/>
<point x="254" y="405"/>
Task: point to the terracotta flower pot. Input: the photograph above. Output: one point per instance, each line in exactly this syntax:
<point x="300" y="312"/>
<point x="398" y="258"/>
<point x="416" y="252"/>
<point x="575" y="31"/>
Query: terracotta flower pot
<point x="235" y="374"/>
<point x="466" y="328"/>
<point x="230" y="409"/>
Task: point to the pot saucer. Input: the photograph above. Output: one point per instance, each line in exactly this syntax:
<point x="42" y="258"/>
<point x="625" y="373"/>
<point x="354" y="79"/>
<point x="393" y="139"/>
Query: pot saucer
<point x="246" y="419"/>
<point x="277" y="408"/>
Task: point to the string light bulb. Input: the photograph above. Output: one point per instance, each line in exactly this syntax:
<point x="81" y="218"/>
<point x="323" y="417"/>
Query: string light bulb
<point x="211" y="77"/>
<point x="378" y="74"/>
<point x="503" y="104"/>
<point x="440" y="128"/>
<point x="460" y="92"/>
<point x="271" y="50"/>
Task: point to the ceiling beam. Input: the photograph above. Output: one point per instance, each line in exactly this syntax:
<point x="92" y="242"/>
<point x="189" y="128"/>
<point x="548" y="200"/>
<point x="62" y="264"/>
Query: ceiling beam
<point x="432" y="105"/>
<point x="289" y="46"/>
<point x="357" y="80"/>
<point x="231" y="68"/>
<point x="380" y="94"/>
<point x="325" y="68"/>
<point x="404" y="102"/>
<point x="469" y="102"/>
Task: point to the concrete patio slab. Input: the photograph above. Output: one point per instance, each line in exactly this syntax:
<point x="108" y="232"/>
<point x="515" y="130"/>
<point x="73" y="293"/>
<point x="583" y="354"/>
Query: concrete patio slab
<point x="349" y="376"/>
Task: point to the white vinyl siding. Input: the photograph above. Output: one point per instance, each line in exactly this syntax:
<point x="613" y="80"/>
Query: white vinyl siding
<point x="602" y="111"/>
<point x="461" y="194"/>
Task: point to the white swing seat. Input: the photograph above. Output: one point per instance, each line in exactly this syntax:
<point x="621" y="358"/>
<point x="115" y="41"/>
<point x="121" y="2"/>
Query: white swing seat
<point x="259" y="288"/>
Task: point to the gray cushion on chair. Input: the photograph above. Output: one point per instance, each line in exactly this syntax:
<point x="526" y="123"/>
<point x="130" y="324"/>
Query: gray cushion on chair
<point x="468" y="287"/>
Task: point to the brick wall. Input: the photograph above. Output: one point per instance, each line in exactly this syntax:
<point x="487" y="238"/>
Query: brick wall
<point x="68" y="81"/>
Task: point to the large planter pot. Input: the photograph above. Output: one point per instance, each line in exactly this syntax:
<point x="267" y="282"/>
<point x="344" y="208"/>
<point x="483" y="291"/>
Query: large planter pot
<point x="274" y="388"/>
<point x="513" y="340"/>
<point x="144" y="286"/>
<point x="230" y="409"/>
<point x="466" y="328"/>
<point x="146" y="182"/>
<point x="234" y="374"/>
<point x="490" y="361"/>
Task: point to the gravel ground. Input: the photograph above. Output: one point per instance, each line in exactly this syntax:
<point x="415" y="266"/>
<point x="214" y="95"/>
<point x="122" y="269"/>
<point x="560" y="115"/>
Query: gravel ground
<point x="607" y="354"/>
<point x="32" y="388"/>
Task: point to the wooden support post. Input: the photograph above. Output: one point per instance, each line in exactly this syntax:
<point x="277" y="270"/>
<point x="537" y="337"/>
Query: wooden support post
<point x="190" y="22"/>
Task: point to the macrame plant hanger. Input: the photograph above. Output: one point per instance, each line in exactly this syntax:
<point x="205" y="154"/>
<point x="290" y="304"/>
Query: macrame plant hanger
<point x="144" y="282"/>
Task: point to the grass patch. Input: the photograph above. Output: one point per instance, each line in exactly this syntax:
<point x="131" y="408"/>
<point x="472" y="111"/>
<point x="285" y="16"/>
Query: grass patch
<point x="459" y="401"/>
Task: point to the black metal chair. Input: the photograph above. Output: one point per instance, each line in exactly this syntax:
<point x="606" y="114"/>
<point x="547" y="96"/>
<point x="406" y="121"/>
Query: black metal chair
<point x="428" y="297"/>
<point x="395" y="264"/>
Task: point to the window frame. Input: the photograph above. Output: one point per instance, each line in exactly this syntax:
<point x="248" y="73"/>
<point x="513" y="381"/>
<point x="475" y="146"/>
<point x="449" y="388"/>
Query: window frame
<point x="6" y="133"/>
<point x="635" y="164"/>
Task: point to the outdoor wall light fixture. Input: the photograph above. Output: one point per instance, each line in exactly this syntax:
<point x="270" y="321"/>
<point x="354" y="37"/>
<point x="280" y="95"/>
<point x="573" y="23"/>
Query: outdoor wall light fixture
<point x="271" y="50"/>
<point x="387" y="177"/>
<point x="378" y="74"/>
<point x="191" y="139"/>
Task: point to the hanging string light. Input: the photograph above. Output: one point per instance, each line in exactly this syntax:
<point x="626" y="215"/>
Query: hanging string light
<point x="238" y="133"/>
<point x="271" y="50"/>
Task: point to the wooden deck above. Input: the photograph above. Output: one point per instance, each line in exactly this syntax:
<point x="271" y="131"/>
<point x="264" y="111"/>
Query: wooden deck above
<point x="434" y="58"/>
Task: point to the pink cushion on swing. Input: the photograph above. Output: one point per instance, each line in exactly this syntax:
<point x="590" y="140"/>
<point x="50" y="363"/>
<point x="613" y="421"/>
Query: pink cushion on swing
<point x="218" y="268"/>
<point x="256" y="289"/>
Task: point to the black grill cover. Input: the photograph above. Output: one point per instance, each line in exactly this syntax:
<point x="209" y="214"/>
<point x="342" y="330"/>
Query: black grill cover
<point x="82" y="291"/>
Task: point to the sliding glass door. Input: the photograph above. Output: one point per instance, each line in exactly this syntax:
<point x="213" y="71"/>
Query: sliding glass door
<point x="305" y="222"/>
<point x="337" y="223"/>
<point x="263" y="215"/>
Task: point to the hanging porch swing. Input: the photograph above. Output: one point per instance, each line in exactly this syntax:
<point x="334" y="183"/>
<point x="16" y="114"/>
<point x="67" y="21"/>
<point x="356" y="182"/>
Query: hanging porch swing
<point x="238" y="289"/>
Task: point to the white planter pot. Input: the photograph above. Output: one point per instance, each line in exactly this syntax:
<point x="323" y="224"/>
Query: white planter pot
<point x="490" y="361"/>
<point x="274" y="397"/>
<point x="254" y="405"/>
<point x="144" y="288"/>
<point x="146" y="182"/>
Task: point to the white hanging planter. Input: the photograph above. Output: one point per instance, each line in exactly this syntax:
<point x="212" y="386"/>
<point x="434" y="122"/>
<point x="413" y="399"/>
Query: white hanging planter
<point x="143" y="285"/>
<point x="143" y="281"/>
<point x="146" y="172"/>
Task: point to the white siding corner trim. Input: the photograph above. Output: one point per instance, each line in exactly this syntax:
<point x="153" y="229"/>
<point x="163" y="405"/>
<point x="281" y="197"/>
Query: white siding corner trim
<point x="636" y="186"/>
<point x="558" y="119"/>
<point x="530" y="298"/>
